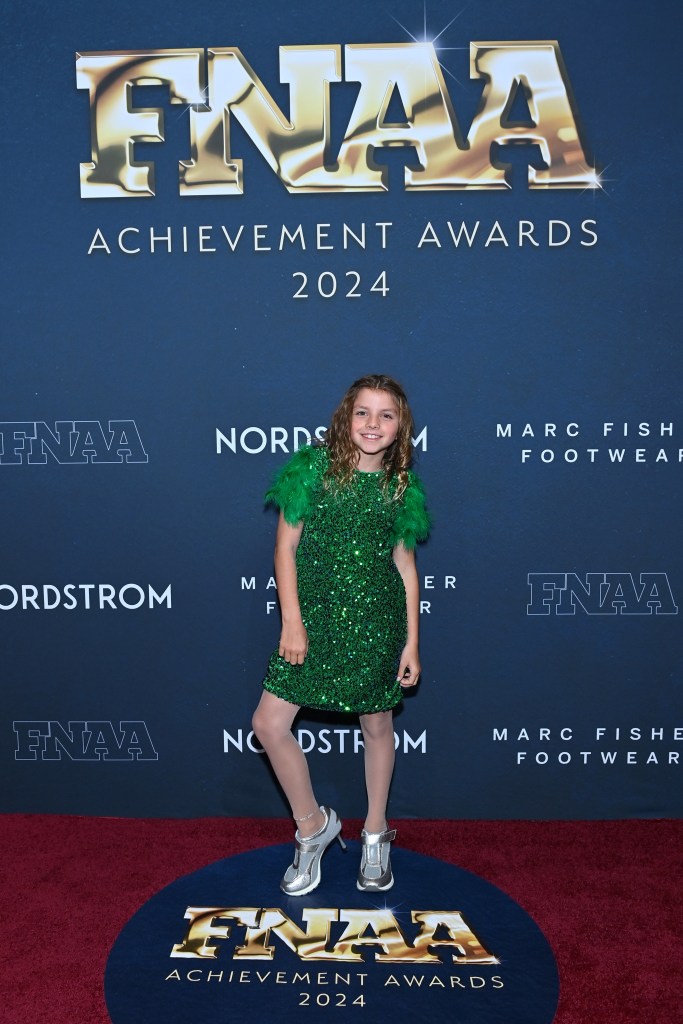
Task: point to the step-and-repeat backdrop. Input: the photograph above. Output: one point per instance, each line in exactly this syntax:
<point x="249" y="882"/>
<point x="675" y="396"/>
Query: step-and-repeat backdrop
<point x="219" y="215"/>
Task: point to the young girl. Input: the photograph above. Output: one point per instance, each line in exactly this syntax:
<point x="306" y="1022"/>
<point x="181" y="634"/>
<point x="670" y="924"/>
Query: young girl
<point x="351" y="513"/>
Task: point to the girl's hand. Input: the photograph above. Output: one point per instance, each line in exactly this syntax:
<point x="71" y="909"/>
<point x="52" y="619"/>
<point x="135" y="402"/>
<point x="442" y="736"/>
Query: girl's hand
<point x="409" y="667"/>
<point x="293" y="643"/>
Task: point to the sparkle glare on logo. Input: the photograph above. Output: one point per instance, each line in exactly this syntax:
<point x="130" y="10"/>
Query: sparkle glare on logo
<point x="426" y="38"/>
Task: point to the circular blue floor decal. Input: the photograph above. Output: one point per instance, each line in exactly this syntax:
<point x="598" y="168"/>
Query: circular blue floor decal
<point x="225" y="944"/>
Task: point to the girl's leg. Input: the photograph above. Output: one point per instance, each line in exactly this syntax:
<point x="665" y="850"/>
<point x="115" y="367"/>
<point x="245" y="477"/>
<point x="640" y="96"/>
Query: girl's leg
<point x="272" y="723"/>
<point x="378" y="737"/>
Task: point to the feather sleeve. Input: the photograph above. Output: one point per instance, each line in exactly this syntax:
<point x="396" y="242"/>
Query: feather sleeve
<point x="295" y="484"/>
<point x="412" y="521"/>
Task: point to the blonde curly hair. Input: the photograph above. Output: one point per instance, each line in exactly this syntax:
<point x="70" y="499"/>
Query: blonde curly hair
<point x="343" y="452"/>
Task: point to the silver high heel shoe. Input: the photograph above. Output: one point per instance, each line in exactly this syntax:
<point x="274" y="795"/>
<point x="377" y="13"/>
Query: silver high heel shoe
<point x="303" y="874"/>
<point x="374" y="874"/>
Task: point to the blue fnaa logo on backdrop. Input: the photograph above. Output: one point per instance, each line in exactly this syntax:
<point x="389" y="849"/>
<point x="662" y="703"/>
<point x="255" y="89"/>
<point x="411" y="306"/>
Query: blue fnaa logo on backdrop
<point x="600" y="593"/>
<point x="70" y="443"/>
<point x="84" y="741"/>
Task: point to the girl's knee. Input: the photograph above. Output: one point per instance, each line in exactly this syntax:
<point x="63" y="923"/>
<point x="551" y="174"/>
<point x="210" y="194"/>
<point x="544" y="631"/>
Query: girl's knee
<point x="377" y="726"/>
<point x="268" y="726"/>
<point x="256" y="723"/>
<point x="265" y="727"/>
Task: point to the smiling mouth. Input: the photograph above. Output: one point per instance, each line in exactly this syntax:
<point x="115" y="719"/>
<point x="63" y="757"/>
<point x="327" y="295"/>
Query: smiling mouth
<point x="372" y="437"/>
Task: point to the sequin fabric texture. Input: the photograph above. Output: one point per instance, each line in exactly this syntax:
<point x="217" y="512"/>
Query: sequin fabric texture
<point x="351" y="594"/>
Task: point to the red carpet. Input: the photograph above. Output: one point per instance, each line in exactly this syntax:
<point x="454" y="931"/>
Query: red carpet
<point x="606" y="895"/>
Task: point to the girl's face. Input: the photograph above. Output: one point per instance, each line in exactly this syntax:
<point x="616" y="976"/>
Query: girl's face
<point x="374" y="426"/>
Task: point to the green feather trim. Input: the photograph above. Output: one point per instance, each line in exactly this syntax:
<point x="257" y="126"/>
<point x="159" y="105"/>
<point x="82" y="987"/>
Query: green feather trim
<point x="295" y="484"/>
<point x="412" y="519"/>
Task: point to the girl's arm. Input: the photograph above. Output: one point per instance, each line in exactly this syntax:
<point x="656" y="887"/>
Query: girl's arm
<point x="409" y="666"/>
<point x="293" y="639"/>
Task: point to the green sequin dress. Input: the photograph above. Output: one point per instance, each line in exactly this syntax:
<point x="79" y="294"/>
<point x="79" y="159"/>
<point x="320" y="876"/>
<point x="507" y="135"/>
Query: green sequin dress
<point x="351" y="594"/>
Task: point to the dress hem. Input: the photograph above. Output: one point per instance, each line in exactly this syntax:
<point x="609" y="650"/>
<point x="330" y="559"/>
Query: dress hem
<point x="336" y="711"/>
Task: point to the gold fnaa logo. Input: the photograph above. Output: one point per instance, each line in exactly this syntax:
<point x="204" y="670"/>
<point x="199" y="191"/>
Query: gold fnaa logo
<point x="442" y="930"/>
<point x="220" y="85"/>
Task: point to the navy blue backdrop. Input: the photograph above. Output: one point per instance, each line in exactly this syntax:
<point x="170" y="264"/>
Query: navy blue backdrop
<point x="146" y="399"/>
